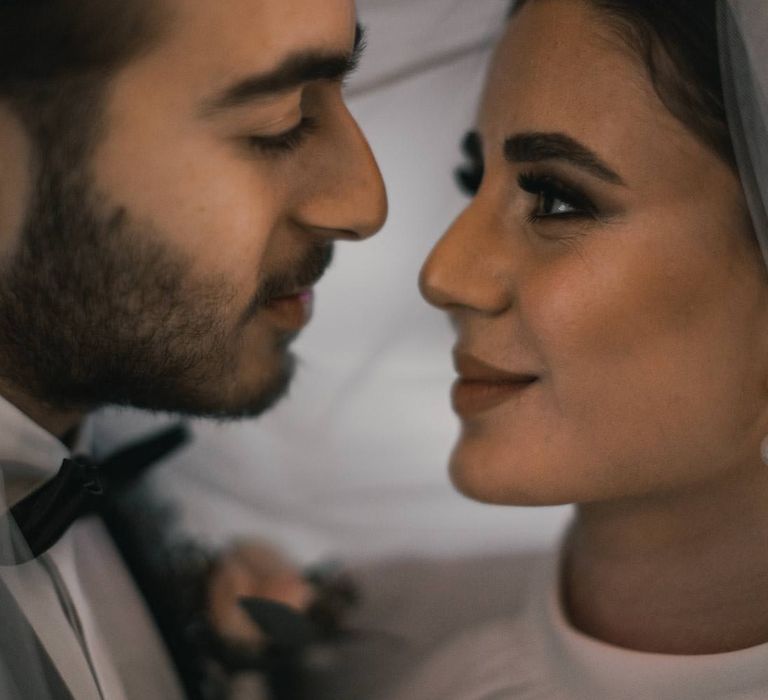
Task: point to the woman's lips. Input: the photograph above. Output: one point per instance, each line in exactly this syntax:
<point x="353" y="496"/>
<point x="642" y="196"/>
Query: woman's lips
<point x="472" y="397"/>
<point x="291" y="312"/>
<point x="481" y="386"/>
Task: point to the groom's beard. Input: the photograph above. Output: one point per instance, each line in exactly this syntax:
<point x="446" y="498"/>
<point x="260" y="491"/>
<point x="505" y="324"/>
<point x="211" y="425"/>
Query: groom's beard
<point x="95" y="309"/>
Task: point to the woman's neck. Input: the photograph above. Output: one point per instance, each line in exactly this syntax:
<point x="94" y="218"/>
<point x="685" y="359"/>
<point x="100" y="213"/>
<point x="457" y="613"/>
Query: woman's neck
<point x="683" y="574"/>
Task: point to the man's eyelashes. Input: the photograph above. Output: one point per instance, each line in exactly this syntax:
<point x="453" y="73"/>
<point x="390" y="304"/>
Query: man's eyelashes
<point x="287" y="142"/>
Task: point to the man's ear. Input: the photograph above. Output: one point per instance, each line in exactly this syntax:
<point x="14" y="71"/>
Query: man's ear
<point x="16" y="178"/>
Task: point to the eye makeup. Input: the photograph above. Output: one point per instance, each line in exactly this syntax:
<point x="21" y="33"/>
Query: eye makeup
<point x="469" y="175"/>
<point x="556" y="199"/>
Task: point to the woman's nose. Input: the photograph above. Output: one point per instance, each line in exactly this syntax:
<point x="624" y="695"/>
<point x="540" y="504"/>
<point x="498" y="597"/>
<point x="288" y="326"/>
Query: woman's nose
<point x="465" y="268"/>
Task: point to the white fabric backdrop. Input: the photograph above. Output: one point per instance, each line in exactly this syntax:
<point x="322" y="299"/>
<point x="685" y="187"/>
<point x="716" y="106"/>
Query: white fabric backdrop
<point x="353" y="463"/>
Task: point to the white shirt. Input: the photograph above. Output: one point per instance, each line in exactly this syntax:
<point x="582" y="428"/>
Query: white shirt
<point x="120" y="655"/>
<point x="494" y="629"/>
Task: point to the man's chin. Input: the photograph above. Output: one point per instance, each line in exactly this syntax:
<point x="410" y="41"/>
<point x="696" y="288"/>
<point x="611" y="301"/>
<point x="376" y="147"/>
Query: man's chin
<point x="248" y="402"/>
<point x="231" y="399"/>
<point x="260" y="402"/>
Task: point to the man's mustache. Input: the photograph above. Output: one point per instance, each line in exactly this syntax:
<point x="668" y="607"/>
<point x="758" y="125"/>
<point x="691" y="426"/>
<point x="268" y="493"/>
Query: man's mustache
<point x="306" y="273"/>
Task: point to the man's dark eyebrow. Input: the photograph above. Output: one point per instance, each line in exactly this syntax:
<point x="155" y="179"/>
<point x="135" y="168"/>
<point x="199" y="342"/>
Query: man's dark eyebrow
<point x="535" y="147"/>
<point x="295" y="70"/>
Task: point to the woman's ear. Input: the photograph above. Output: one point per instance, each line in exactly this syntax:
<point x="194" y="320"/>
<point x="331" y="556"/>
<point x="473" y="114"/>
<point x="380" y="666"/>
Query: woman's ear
<point x="16" y="178"/>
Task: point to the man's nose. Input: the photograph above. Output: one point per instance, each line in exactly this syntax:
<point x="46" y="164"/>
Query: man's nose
<point x="345" y="197"/>
<point x="464" y="270"/>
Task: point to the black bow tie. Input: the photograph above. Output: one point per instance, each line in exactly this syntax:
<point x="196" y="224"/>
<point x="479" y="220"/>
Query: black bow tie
<point x="37" y="522"/>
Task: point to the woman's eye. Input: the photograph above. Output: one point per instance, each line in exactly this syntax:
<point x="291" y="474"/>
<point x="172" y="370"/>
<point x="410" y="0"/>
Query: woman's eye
<point x="551" y="205"/>
<point x="469" y="176"/>
<point x="286" y="142"/>
<point x="556" y="200"/>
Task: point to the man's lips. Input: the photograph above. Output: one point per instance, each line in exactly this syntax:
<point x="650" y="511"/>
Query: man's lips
<point x="293" y="311"/>
<point x="303" y="295"/>
<point x="482" y="386"/>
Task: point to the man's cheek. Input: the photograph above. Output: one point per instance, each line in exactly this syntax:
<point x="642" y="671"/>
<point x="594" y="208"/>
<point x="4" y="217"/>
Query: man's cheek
<point x="15" y="180"/>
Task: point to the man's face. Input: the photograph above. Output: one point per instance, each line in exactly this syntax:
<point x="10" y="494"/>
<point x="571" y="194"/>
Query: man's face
<point x="173" y="267"/>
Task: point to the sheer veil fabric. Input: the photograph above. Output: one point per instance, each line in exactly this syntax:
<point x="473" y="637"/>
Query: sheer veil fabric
<point x="25" y="671"/>
<point x="743" y="28"/>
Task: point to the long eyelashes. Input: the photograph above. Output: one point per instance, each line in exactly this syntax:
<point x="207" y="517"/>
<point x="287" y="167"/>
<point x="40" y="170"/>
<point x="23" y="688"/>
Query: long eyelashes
<point x="469" y="176"/>
<point x="555" y="198"/>
<point x="286" y="142"/>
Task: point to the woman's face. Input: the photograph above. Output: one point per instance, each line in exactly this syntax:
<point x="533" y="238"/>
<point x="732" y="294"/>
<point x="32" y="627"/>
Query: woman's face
<point x="610" y="302"/>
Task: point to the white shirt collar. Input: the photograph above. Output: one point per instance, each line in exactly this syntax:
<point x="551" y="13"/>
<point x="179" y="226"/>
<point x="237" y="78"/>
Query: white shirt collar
<point x="29" y="451"/>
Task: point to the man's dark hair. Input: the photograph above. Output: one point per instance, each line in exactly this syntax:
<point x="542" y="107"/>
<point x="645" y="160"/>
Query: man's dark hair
<point x="677" y="40"/>
<point x="56" y="57"/>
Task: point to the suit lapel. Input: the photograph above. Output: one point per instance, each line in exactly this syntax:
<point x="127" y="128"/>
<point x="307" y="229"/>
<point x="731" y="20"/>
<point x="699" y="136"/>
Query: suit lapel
<point x="26" y="669"/>
<point x="45" y="635"/>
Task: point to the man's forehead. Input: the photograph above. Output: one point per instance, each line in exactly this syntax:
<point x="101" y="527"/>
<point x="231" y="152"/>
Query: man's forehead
<point x="260" y="33"/>
<point x="208" y="46"/>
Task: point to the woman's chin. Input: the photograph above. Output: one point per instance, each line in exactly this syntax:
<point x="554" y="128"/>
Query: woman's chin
<point x="496" y="479"/>
<point x="482" y="482"/>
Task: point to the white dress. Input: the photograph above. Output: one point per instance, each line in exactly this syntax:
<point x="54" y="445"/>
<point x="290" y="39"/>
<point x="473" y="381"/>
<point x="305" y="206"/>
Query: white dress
<point x="493" y="629"/>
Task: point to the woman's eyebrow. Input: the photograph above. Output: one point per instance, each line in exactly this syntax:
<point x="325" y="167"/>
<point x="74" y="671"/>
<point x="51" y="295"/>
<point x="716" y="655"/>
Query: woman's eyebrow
<point x="534" y="147"/>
